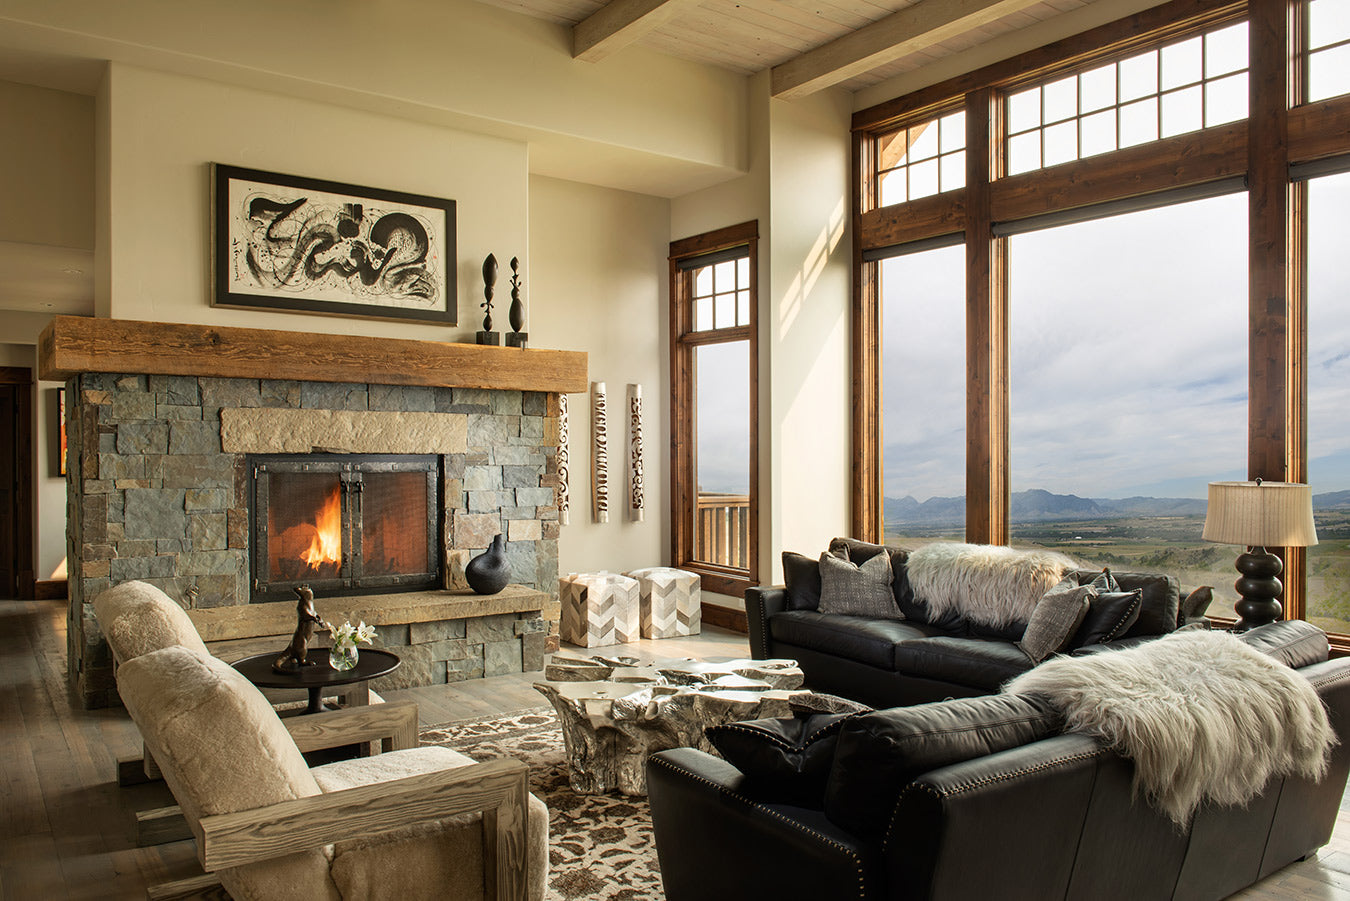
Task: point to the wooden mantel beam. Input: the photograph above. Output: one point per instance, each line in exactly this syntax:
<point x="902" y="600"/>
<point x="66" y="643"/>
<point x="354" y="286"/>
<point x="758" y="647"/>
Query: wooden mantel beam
<point x="620" y="23"/>
<point x="73" y="344"/>
<point x="906" y="31"/>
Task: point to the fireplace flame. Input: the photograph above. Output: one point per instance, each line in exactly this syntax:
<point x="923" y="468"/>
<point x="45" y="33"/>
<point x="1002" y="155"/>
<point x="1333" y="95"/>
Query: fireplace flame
<point x="326" y="545"/>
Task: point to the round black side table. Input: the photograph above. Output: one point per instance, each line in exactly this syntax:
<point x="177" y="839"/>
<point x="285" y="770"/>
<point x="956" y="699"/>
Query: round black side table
<point x="371" y="664"/>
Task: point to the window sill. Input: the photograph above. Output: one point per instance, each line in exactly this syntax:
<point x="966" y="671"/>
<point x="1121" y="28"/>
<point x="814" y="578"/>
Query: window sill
<point x="732" y="583"/>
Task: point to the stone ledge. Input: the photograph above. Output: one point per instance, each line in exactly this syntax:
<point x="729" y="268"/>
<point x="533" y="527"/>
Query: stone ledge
<point x="278" y="617"/>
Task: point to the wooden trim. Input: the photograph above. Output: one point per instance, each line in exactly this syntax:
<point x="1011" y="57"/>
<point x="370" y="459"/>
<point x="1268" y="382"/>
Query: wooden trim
<point x="902" y="223"/>
<point x="620" y="23"/>
<point x="987" y="498"/>
<point x="910" y="30"/>
<point x="1118" y="38"/>
<point x="725" y="618"/>
<point x="1319" y="130"/>
<point x="866" y="336"/>
<point x="719" y="239"/>
<point x="50" y="590"/>
<point x="16" y="375"/>
<point x="493" y="787"/>
<point x="73" y="344"/>
<point x="683" y="375"/>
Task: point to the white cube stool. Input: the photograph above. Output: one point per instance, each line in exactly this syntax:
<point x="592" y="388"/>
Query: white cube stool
<point x="671" y="602"/>
<point x="598" y="609"/>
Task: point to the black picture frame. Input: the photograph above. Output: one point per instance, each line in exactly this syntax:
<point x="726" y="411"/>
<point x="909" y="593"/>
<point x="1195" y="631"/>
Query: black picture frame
<point x="286" y="242"/>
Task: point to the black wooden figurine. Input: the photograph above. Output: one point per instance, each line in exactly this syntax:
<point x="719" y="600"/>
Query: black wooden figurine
<point x="487" y="335"/>
<point x="515" y="337"/>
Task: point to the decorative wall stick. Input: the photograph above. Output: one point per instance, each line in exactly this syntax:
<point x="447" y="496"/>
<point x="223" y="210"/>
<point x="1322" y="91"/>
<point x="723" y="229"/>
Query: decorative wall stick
<point x="564" y="491"/>
<point x="599" y="454"/>
<point x="636" y="501"/>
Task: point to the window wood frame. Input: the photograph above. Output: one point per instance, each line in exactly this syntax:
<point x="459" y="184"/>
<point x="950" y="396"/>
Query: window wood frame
<point x="1279" y="131"/>
<point x="683" y="446"/>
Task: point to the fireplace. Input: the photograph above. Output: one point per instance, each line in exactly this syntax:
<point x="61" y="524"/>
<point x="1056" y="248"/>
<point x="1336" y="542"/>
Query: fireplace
<point x="343" y="524"/>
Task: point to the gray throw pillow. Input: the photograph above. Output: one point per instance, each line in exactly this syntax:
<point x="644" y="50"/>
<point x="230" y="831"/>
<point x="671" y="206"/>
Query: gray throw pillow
<point x="855" y="590"/>
<point x="1056" y="618"/>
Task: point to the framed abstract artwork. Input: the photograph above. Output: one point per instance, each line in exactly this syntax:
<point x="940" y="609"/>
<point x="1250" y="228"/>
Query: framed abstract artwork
<point x="284" y="242"/>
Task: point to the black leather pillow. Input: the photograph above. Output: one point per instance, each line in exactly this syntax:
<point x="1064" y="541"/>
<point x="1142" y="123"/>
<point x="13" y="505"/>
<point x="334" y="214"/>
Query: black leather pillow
<point x="1110" y="615"/>
<point x="1293" y="642"/>
<point x="785" y="760"/>
<point x="879" y="753"/>
<point x="801" y="576"/>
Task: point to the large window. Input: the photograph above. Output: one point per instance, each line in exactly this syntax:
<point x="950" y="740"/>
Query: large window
<point x="1329" y="401"/>
<point x="923" y="419"/>
<point x="1129" y="386"/>
<point x="1153" y="296"/>
<point x="713" y="410"/>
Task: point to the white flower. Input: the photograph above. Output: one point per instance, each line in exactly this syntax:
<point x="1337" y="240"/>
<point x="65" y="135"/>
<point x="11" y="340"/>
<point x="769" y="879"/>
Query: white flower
<point x="347" y="635"/>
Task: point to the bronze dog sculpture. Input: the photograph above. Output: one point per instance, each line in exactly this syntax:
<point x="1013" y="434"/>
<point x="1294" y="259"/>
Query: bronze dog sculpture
<point x="297" y="651"/>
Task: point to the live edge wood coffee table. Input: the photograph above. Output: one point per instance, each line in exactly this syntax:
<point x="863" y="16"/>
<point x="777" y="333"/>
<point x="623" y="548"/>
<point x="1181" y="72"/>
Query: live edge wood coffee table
<point x="371" y="664"/>
<point x="616" y="713"/>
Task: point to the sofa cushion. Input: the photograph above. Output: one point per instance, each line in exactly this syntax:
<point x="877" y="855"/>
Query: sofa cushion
<point x="1110" y="615"/>
<point x="223" y="750"/>
<point x="1056" y="619"/>
<point x="870" y="641"/>
<point x="1195" y="604"/>
<point x="877" y="754"/>
<point x="1160" y="600"/>
<point x="137" y="618"/>
<point x="973" y="662"/>
<point x="1294" y="643"/>
<point x="785" y="760"/>
<point x="860" y="551"/>
<point x="987" y="584"/>
<point x="801" y="581"/>
<point x="856" y="589"/>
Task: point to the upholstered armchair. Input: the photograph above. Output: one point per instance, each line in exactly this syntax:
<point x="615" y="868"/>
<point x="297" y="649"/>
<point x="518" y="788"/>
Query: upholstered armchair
<point x="417" y="822"/>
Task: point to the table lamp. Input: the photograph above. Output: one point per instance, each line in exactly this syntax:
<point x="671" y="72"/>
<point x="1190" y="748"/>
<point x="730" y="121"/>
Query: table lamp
<point x="1259" y="515"/>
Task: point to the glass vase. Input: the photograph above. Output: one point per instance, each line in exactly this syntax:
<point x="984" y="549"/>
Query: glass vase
<point x="343" y="657"/>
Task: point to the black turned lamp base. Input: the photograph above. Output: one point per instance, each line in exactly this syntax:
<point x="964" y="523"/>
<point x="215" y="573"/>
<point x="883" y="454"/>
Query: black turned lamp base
<point x="1259" y="589"/>
<point x="491" y="338"/>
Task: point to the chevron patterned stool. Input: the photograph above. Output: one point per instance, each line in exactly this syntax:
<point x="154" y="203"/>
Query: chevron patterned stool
<point x="598" y="609"/>
<point x="671" y="602"/>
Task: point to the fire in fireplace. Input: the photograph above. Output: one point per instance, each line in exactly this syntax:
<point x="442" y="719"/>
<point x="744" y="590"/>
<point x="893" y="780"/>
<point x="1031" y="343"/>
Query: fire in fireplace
<point x="343" y="524"/>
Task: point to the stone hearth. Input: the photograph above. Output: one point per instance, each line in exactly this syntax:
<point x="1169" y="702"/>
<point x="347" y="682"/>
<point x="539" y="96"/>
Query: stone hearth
<point x="158" y="483"/>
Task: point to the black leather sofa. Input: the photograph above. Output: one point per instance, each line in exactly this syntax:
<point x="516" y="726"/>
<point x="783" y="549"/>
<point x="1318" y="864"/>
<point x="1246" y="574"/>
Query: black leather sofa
<point x="893" y="662"/>
<point x="1052" y="818"/>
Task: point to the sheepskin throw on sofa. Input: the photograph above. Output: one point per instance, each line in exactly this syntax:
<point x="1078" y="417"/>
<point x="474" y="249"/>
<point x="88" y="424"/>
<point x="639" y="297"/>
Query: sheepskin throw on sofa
<point x="986" y="584"/>
<point x="1203" y="716"/>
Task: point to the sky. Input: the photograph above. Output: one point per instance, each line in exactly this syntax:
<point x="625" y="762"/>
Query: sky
<point x="1128" y="354"/>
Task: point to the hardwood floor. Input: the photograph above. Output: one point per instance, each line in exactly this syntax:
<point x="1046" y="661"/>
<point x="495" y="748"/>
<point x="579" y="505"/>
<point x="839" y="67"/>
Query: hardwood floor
<point x="67" y="830"/>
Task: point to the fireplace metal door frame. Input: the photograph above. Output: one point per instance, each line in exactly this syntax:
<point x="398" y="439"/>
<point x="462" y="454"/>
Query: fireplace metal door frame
<point x="350" y="469"/>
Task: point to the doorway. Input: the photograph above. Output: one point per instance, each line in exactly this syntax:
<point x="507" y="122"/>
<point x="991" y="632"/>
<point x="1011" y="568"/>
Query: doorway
<point x="16" y="482"/>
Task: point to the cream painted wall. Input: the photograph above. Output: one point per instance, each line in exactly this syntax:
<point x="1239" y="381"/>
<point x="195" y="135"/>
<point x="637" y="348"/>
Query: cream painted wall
<point x="49" y="488"/>
<point x="596" y="281"/>
<point x="455" y="63"/>
<point x="162" y="132"/>
<point x="46" y="167"/>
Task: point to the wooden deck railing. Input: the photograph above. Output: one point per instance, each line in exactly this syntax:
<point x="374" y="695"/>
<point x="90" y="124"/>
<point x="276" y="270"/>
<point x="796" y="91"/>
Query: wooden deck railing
<point x="722" y="530"/>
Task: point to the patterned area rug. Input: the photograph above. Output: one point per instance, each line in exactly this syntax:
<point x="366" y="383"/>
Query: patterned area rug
<point x="600" y="846"/>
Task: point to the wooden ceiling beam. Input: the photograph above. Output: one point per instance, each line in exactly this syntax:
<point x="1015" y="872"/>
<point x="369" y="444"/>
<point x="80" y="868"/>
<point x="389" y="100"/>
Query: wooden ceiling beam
<point x="620" y="23"/>
<point x="914" y="28"/>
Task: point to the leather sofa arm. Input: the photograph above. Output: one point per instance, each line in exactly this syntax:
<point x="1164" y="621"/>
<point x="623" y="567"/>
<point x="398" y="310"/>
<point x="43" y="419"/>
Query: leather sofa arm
<point x="1023" y="808"/>
<point x="716" y="843"/>
<point x="760" y="604"/>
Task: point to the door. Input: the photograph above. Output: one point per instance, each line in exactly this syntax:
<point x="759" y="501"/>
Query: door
<point x="15" y="500"/>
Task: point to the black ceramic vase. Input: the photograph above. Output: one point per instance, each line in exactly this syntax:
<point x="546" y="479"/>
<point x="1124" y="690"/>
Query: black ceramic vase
<point x="489" y="572"/>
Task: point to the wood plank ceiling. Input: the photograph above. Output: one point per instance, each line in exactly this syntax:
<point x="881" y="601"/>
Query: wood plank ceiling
<point x="809" y="44"/>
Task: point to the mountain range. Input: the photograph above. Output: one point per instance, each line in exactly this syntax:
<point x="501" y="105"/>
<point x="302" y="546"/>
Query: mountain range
<point x="1038" y="505"/>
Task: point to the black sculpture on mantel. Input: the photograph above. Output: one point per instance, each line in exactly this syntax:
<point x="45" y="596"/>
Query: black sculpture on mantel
<point x="490" y="571"/>
<point x="296" y="655"/>
<point x="487" y="335"/>
<point x="515" y="337"/>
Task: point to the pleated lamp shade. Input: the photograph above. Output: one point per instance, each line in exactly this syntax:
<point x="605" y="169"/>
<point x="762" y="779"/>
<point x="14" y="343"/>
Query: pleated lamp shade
<point x="1260" y="514"/>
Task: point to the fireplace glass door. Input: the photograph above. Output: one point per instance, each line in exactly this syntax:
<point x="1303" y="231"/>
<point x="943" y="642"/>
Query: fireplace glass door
<point x="343" y="524"/>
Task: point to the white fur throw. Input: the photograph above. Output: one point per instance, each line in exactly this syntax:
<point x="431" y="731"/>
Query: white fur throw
<point x="986" y="584"/>
<point x="1204" y="716"/>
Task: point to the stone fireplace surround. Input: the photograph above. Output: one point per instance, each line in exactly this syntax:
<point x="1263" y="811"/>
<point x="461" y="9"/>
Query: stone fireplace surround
<point x="158" y="486"/>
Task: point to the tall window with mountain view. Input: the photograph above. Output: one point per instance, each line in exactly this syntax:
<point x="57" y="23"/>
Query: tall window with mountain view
<point x="923" y="406"/>
<point x="1329" y="400"/>
<point x="1128" y="386"/>
<point x="713" y="409"/>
